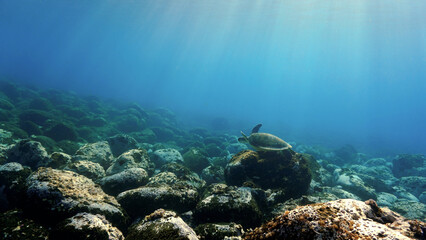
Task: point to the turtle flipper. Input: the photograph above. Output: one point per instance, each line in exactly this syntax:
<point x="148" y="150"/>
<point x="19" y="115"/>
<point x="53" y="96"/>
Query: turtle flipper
<point x="243" y="139"/>
<point x="256" y="128"/>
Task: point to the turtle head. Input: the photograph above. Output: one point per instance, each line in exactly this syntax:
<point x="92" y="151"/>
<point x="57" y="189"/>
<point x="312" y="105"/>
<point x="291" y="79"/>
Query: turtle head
<point x="243" y="139"/>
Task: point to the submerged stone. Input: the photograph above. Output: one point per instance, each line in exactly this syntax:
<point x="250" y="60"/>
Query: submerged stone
<point x="86" y="226"/>
<point x="161" y="225"/>
<point x="28" y="153"/>
<point x="228" y="204"/>
<point x="54" y="195"/>
<point x="340" y="219"/>
<point x="284" y="170"/>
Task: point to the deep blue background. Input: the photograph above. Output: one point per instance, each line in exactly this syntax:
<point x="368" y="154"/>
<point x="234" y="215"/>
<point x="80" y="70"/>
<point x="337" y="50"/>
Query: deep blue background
<point x="321" y="72"/>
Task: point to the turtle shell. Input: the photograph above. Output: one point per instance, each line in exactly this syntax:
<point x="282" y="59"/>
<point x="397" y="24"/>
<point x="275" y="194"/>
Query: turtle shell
<point x="267" y="142"/>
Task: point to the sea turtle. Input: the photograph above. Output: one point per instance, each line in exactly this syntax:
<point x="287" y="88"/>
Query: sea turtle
<point x="264" y="141"/>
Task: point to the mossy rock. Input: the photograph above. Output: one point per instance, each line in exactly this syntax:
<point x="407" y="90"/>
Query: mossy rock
<point x="17" y="133"/>
<point x="62" y="131"/>
<point x="30" y="127"/>
<point x="196" y="159"/>
<point x="69" y="147"/>
<point x="163" y="134"/>
<point x="35" y="116"/>
<point x="144" y="136"/>
<point x="5" y="115"/>
<point x="6" y="105"/>
<point x="213" y="150"/>
<point x="40" y="104"/>
<point x="130" y="123"/>
<point x="48" y="143"/>
<point x="73" y="112"/>
<point x="285" y="170"/>
<point x="89" y="134"/>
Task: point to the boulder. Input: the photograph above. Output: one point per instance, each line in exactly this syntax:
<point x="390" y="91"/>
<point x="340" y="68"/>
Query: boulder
<point x="168" y="155"/>
<point x="409" y="165"/>
<point x="98" y="152"/>
<point x="416" y="185"/>
<point x="196" y="159"/>
<point x="213" y="174"/>
<point x="86" y="226"/>
<point x="125" y="180"/>
<point x="54" y="195"/>
<point x="134" y="158"/>
<point x="215" y="231"/>
<point x="161" y="225"/>
<point x="12" y="185"/>
<point x="28" y="153"/>
<point x="121" y="143"/>
<point x="228" y="204"/>
<point x="340" y="219"/>
<point x="284" y="170"/>
<point x="89" y="169"/>
<point x="141" y="201"/>
<point x="350" y="182"/>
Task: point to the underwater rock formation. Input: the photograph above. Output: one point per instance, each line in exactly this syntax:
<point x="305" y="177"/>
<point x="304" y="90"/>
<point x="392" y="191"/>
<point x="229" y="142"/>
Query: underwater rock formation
<point x="228" y="204"/>
<point x="213" y="231"/>
<point x="340" y="219"/>
<point x="98" y="152"/>
<point x="134" y="158"/>
<point x="86" y="226"/>
<point x="409" y="165"/>
<point x="28" y="153"/>
<point x="168" y="155"/>
<point x="285" y="170"/>
<point x="88" y="169"/>
<point x="54" y="195"/>
<point x="144" y="200"/>
<point x="161" y="225"/>
<point x="125" y="180"/>
<point x="121" y="143"/>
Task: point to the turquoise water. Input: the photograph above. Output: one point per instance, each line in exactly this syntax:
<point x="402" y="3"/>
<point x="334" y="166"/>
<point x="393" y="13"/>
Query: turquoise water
<point x="317" y="72"/>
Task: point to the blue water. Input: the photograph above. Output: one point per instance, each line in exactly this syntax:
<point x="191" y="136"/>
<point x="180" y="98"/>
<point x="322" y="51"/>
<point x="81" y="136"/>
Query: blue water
<point x="317" y="72"/>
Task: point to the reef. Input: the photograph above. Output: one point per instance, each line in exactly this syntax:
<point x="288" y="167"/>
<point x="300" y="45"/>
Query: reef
<point x="83" y="167"/>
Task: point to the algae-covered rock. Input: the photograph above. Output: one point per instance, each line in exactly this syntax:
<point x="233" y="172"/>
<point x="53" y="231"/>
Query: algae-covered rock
<point x="340" y="219"/>
<point x="57" y="194"/>
<point x="28" y="153"/>
<point x="185" y="176"/>
<point x="410" y="209"/>
<point x="15" y="225"/>
<point x="213" y="174"/>
<point x="161" y="225"/>
<point x="60" y="160"/>
<point x="86" y="226"/>
<point x="98" y="152"/>
<point x="414" y="184"/>
<point x="409" y="165"/>
<point x="125" y="180"/>
<point x="12" y="184"/>
<point x="196" y="159"/>
<point x="141" y="201"/>
<point x="168" y="155"/>
<point x="350" y="182"/>
<point x="62" y="131"/>
<point x="284" y="170"/>
<point x="228" y="204"/>
<point x="121" y="143"/>
<point x="88" y="169"/>
<point x="134" y="158"/>
<point x="214" y="231"/>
